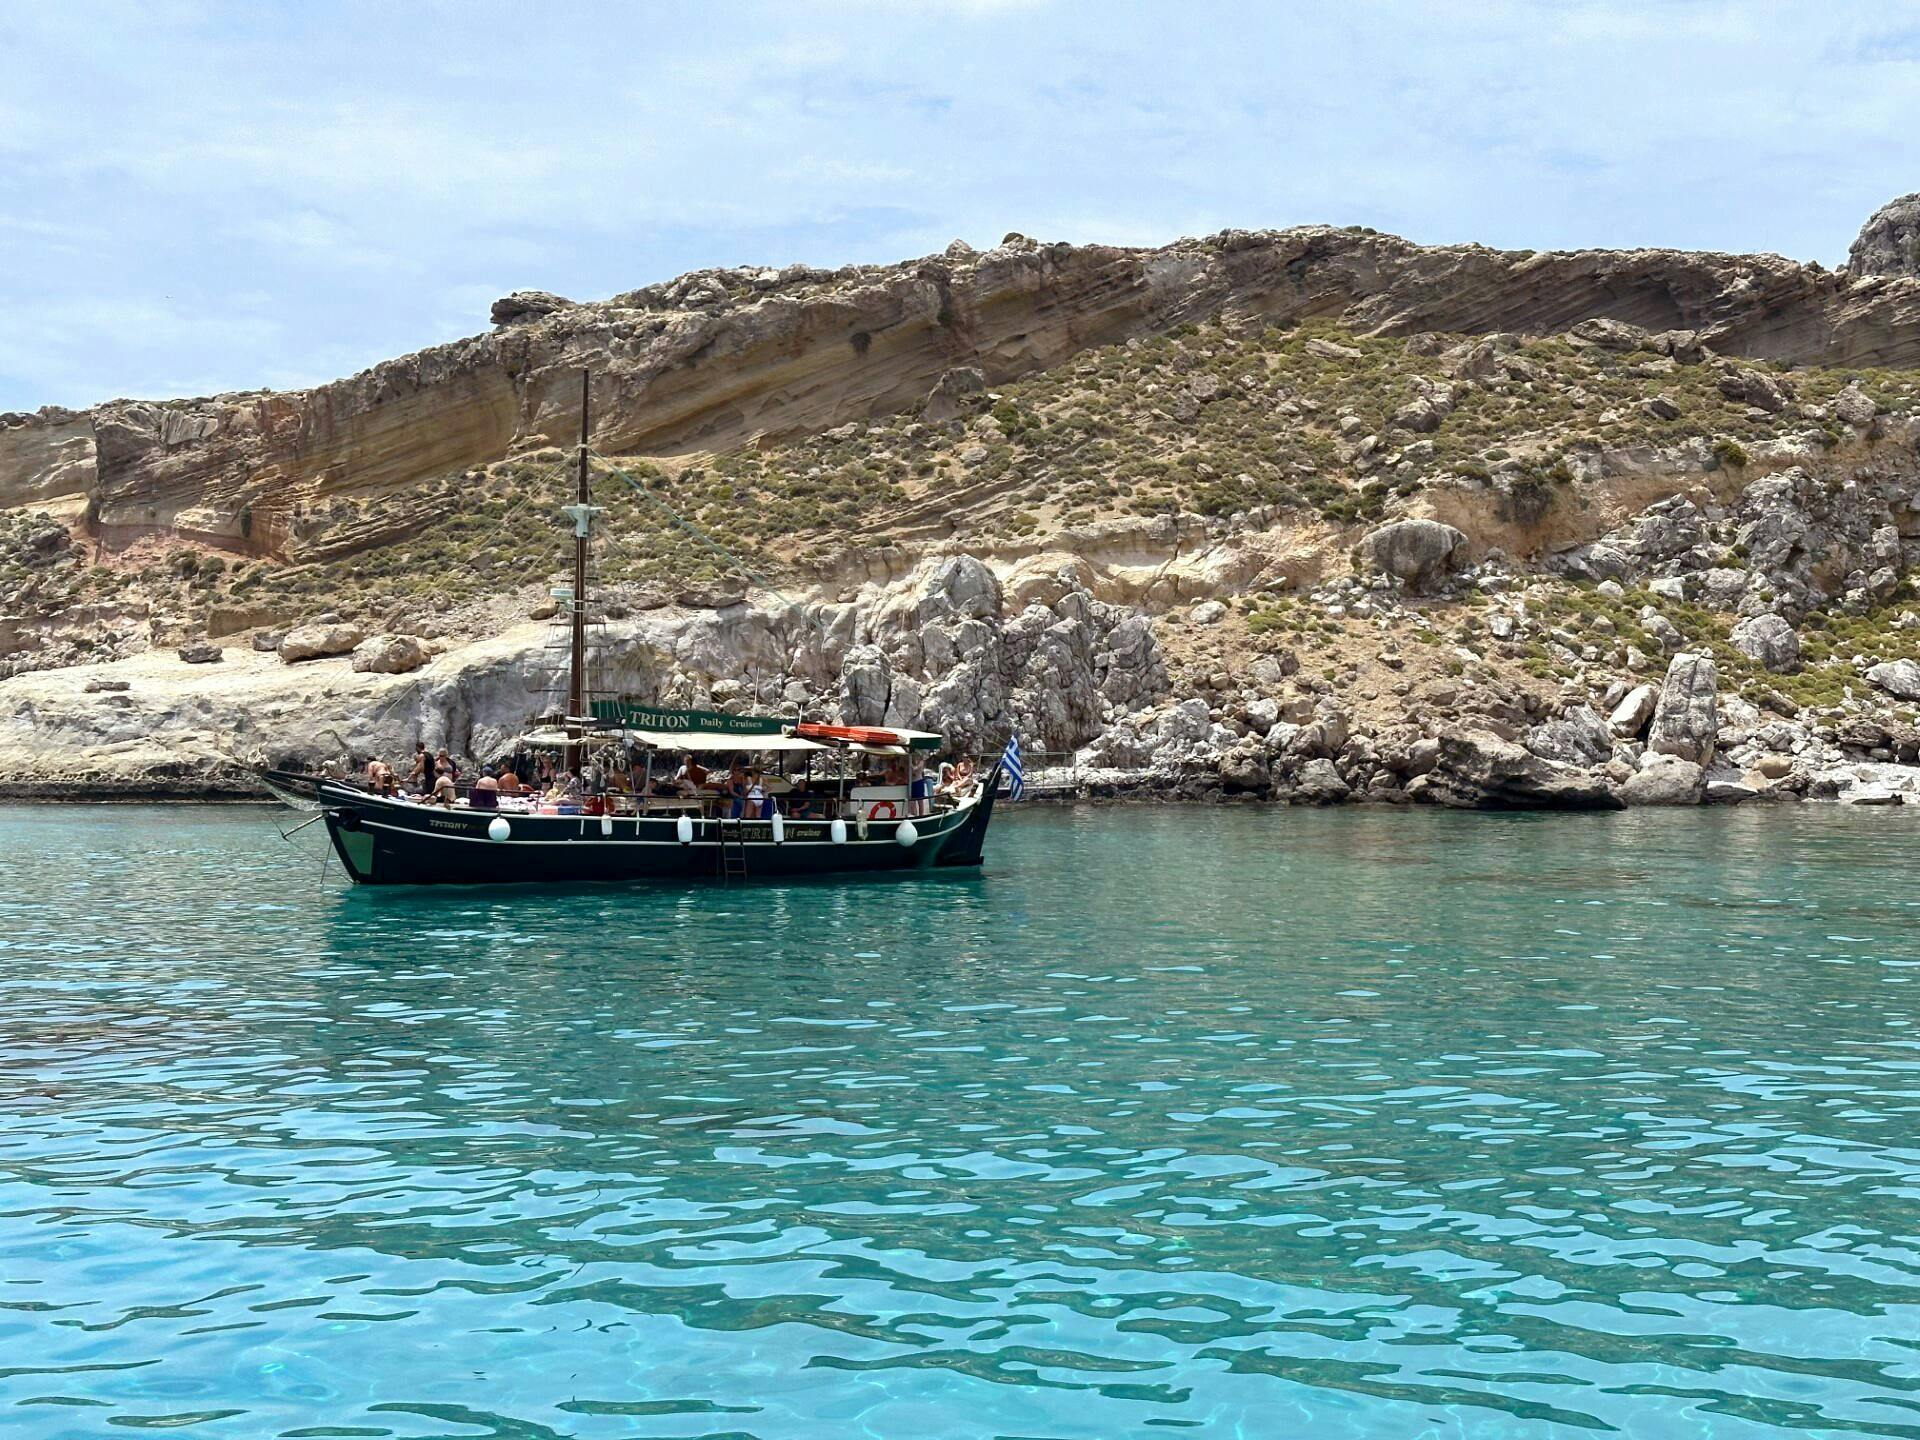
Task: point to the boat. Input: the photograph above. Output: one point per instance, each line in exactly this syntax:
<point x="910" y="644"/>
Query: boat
<point x="833" y="818"/>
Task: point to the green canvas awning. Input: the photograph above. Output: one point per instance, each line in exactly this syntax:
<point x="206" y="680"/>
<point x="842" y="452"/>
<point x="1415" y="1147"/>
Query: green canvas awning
<point x="631" y="716"/>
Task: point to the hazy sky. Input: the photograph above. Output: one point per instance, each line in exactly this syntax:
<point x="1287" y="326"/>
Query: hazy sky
<point x="196" y="197"/>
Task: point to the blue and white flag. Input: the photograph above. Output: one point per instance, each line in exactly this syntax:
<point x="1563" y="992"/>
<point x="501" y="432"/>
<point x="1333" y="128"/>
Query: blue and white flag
<point x="1010" y="762"/>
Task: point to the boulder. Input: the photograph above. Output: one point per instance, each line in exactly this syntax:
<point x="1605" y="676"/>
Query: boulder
<point x="1686" y="716"/>
<point x="1768" y="639"/>
<point x="313" y="642"/>
<point x="1419" y="552"/>
<point x="1753" y="387"/>
<point x="1320" y="784"/>
<point x="1854" y="407"/>
<point x="1899" y="678"/>
<point x="1629" y="718"/>
<point x="391" y="654"/>
<point x="1664" y="780"/>
<point x="1243" y="769"/>
<point x="1208" y="612"/>
<point x="200" y="652"/>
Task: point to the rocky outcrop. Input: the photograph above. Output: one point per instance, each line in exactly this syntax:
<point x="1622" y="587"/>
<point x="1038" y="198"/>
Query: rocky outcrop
<point x="1889" y="243"/>
<point x="1476" y="769"/>
<point x="945" y="648"/>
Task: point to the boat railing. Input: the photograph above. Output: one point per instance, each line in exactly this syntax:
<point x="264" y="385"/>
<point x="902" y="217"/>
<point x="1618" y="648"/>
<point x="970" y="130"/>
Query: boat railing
<point x="824" y="801"/>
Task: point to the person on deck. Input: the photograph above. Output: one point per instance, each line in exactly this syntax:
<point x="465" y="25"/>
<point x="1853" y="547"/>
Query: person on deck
<point x="443" y="791"/>
<point x="565" y="794"/>
<point x="735" y="789"/>
<point x="509" y="781"/>
<point x="422" y="773"/>
<point x="691" y="778"/>
<point x="486" y="792"/>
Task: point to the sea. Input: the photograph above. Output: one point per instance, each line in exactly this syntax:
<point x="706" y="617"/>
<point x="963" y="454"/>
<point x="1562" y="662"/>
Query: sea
<point x="1236" y="1122"/>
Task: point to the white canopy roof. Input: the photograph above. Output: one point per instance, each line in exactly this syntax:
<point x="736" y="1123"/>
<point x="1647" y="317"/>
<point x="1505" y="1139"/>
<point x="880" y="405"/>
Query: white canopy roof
<point x="713" y="744"/>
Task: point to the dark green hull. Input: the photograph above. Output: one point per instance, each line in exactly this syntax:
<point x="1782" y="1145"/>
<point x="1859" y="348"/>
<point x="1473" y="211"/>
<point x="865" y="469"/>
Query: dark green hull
<point x="393" y="842"/>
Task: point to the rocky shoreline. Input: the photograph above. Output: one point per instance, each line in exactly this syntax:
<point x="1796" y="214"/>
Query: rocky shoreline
<point x="975" y="650"/>
<point x="1312" y="516"/>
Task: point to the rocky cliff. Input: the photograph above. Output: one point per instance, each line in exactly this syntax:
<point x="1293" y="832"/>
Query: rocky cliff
<point x="1311" y="513"/>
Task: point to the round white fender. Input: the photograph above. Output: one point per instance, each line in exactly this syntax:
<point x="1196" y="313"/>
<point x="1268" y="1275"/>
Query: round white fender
<point x="779" y="828"/>
<point x="683" y="829"/>
<point x="906" y="834"/>
<point x="837" y="831"/>
<point x="498" y="828"/>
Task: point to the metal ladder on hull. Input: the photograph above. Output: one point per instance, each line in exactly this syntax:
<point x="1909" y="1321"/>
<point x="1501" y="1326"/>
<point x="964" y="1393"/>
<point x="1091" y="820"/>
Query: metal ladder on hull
<point x="733" y="852"/>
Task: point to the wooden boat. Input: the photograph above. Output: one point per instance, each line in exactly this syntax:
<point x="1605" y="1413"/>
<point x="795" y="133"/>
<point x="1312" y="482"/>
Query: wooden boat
<point x="385" y="841"/>
<point x="489" y="838"/>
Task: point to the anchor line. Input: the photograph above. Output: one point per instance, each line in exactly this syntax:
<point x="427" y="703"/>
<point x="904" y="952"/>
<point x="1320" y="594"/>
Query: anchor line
<point x="289" y="834"/>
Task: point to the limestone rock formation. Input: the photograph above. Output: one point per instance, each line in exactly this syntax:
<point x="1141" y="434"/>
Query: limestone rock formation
<point x="719" y="357"/>
<point x="1889" y="243"/>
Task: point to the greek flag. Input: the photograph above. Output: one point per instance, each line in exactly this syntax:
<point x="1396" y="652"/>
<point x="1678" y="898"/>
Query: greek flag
<point x="1010" y="762"/>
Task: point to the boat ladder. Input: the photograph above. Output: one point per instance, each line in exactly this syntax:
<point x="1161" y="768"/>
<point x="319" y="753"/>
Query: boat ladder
<point x="733" y="852"/>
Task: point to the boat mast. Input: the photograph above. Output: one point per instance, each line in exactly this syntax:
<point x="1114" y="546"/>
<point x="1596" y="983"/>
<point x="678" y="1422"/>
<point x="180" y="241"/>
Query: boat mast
<point x="582" y="512"/>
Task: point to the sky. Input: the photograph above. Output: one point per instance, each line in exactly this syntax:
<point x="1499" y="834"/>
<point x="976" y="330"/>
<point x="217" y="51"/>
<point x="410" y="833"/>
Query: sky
<point x="198" y="197"/>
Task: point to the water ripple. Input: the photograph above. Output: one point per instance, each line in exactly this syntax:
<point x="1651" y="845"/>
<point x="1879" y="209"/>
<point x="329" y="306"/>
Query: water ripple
<point x="1246" y="1123"/>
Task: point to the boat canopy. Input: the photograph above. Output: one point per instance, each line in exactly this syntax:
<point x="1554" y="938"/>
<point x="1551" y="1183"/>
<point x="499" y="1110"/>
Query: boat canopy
<point x="706" y="742"/>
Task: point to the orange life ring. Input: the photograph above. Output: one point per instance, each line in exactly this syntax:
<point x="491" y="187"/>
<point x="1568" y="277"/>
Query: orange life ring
<point x="873" y="810"/>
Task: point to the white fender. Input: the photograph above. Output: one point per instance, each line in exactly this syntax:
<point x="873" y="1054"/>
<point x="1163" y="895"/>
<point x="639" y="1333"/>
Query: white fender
<point x="906" y="834"/>
<point x="837" y="831"/>
<point x="683" y="829"/>
<point x="779" y="828"/>
<point x="498" y="828"/>
<point x="606" y="824"/>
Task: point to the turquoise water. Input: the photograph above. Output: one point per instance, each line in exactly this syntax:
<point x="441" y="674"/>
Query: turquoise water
<point x="1247" y="1123"/>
